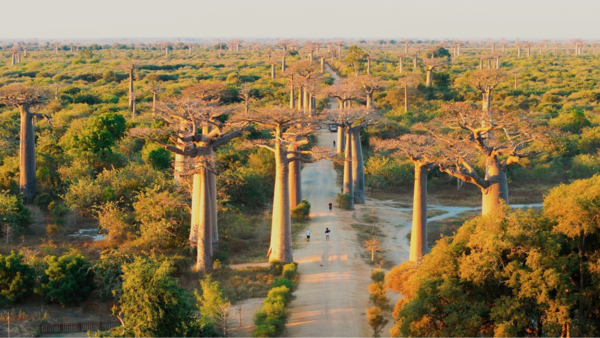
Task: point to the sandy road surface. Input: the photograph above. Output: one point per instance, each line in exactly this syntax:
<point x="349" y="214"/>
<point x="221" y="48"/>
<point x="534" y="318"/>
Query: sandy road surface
<point x="332" y="295"/>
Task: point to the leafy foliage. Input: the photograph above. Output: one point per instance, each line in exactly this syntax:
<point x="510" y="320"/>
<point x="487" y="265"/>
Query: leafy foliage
<point x="68" y="280"/>
<point x="16" y="278"/>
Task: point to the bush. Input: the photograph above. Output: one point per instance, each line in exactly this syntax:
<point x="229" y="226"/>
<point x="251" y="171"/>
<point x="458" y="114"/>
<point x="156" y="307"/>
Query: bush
<point x="283" y="282"/>
<point x="108" y="273"/>
<point x="42" y="201"/>
<point x="343" y="201"/>
<point x="279" y="294"/>
<point x="16" y="279"/>
<point x="301" y="211"/>
<point x="68" y="280"/>
<point x="13" y="214"/>
<point x="377" y="276"/>
<point x="289" y="271"/>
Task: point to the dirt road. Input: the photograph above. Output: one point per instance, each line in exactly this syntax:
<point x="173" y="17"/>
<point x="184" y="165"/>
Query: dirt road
<point x="332" y="295"/>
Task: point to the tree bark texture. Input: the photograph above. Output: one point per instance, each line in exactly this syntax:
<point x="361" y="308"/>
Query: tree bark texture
<point x="418" y="235"/>
<point x="358" y="169"/>
<point x="201" y="220"/>
<point x="400" y="65"/>
<point x="281" y="226"/>
<point x="27" y="165"/>
<point x="292" y="98"/>
<point x="283" y="63"/>
<point x="300" y="97"/>
<point x="341" y="139"/>
<point x="498" y="188"/>
<point x="295" y="179"/>
<point x="487" y="101"/>
<point x="272" y="71"/>
<point x="130" y="89"/>
<point x="406" y="98"/>
<point x="429" y="80"/>
<point x="348" y="187"/>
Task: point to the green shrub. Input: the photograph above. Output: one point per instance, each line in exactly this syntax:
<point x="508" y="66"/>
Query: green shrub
<point x="343" y="201"/>
<point x="276" y="268"/>
<point x="108" y="273"/>
<point x="13" y="214"/>
<point x="283" y="282"/>
<point x="301" y="211"/>
<point x="377" y="275"/>
<point x="16" y="279"/>
<point x="42" y="201"/>
<point x="289" y="271"/>
<point x="68" y="280"/>
<point x="279" y="294"/>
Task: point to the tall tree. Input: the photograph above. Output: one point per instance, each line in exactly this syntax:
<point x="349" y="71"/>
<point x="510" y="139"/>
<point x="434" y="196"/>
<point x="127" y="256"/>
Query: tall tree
<point x="130" y="67"/>
<point x="502" y="139"/>
<point x="485" y="80"/>
<point x="192" y="113"/>
<point x="154" y="88"/>
<point x="25" y="97"/>
<point x="409" y="81"/>
<point x="369" y="85"/>
<point x="430" y="64"/>
<point x="286" y="125"/>
<point x="423" y="151"/>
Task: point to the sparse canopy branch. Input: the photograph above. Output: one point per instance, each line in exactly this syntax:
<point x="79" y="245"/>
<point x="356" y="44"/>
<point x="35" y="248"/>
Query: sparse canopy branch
<point x="368" y="85"/>
<point x="425" y="152"/>
<point x="308" y="74"/>
<point x="284" y="44"/>
<point x="502" y="139"/>
<point x="186" y="117"/>
<point x="246" y="95"/>
<point x="283" y="123"/>
<point x="430" y="64"/>
<point x="485" y="80"/>
<point x="401" y="57"/>
<point x="409" y="81"/>
<point x="206" y="91"/>
<point x="25" y="97"/>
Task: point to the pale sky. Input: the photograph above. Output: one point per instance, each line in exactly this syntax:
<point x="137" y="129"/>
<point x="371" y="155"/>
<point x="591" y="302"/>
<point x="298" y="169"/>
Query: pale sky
<point x="247" y="19"/>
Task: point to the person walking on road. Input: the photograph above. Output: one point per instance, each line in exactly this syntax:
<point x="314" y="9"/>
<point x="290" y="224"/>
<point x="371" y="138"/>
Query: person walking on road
<point x="330" y="206"/>
<point x="308" y="235"/>
<point x="334" y="143"/>
<point x="327" y="232"/>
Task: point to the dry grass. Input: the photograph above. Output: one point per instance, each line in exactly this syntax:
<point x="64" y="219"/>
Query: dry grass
<point x="371" y="230"/>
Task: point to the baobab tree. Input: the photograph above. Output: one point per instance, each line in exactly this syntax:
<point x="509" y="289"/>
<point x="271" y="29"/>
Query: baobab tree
<point x="409" y="81"/>
<point x="485" y="80"/>
<point x="188" y="115"/>
<point x="287" y="126"/>
<point x="284" y="44"/>
<point x="515" y="72"/>
<point x="273" y="62"/>
<point x="527" y="45"/>
<point x="245" y="95"/>
<point x="518" y="45"/>
<point x="502" y="139"/>
<point x="130" y="67"/>
<point x="308" y="75"/>
<point x="25" y="97"/>
<point x="368" y="85"/>
<point x="344" y="92"/>
<point x="353" y="120"/>
<point x="15" y="51"/>
<point x="339" y="44"/>
<point x="503" y="44"/>
<point x="154" y="88"/>
<point x="430" y="64"/>
<point x="166" y="45"/>
<point x="424" y="151"/>
<point x="406" y="43"/>
<point x="206" y="91"/>
<point x="401" y="57"/>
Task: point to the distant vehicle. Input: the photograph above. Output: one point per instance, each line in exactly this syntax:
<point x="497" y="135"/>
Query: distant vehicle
<point x="332" y="128"/>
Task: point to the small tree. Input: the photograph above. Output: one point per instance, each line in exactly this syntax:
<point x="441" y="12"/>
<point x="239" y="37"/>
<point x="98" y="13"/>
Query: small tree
<point x="16" y="279"/>
<point x="213" y="307"/>
<point x="14" y="217"/>
<point x="373" y="245"/>
<point x="376" y="320"/>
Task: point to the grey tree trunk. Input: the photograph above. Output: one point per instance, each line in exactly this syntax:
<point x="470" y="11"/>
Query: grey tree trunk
<point x="300" y="97"/>
<point x="429" y="79"/>
<point x="487" y="101"/>
<point x="518" y="52"/>
<point x="348" y="186"/>
<point x="400" y="66"/>
<point x="358" y="169"/>
<point x="281" y="226"/>
<point x="406" y="97"/>
<point x="497" y="63"/>
<point x="498" y="190"/>
<point x="341" y="139"/>
<point x="130" y="89"/>
<point x="13" y="59"/>
<point x="322" y="65"/>
<point x="369" y="100"/>
<point x="295" y="180"/>
<point x="212" y="185"/>
<point x="415" y="59"/>
<point x="369" y="66"/>
<point x="273" y="71"/>
<point x="418" y="234"/>
<point x="27" y="166"/>
<point x="202" y="215"/>
<point x="305" y="103"/>
<point x="133" y="108"/>
<point x="283" y="63"/>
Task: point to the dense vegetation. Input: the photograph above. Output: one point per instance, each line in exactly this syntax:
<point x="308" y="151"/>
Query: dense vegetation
<point x="92" y="169"/>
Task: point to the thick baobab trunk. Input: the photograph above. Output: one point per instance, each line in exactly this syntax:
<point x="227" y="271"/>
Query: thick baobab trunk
<point x="429" y="79"/>
<point x="25" y="53"/>
<point x="519" y="52"/>
<point x="292" y="98"/>
<point x="358" y="169"/>
<point x="13" y="59"/>
<point x="295" y="180"/>
<point x="305" y="103"/>
<point x="406" y="47"/>
<point x="130" y="86"/>
<point x="486" y="105"/>
<point x="415" y="59"/>
<point x="348" y="186"/>
<point x="400" y="65"/>
<point x="189" y="50"/>
<point x="528" y="52"/>
<point x="310" y="56"/>
<point x="201" y="220"/>
<point x="341" y="139"/>
<point x="166" y="51"/>
<point x="489" y="63"/>
<point x="406" y="97"/>
<point x="418" y="235"/>
<point x="497" y="63"/>
<point x="300" y="97"/>
<point x="322" y="65"/>
<point x="368" y="66"/>
<point x="283" y="64"/>
<point x="133" y="108"/>
<point x="498" y="189"/>
<point x="27" y="165"/>
<point x="212" y="185"/>
<point x="457" y="50"/>
<point x="272" y="71"/>
<point x="369" y="100"/>
<point x="281" y="228"/>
